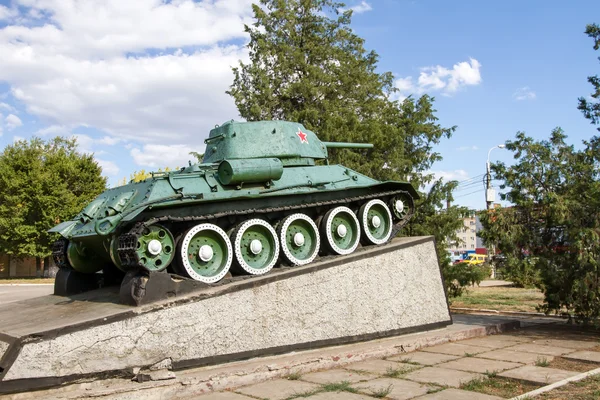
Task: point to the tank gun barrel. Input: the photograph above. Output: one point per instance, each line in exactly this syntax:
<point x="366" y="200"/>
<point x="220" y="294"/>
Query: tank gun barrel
<point x="344" y="145"/>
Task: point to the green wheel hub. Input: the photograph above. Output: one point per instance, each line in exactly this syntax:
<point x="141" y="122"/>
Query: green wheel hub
<point x="376" y="221"/>
<point x="300" y="239"/>
<point x="155" y="248"/>
<point x="205" y="253"/>
<point x="342" y="230"/>
<point x="256" y="247"/>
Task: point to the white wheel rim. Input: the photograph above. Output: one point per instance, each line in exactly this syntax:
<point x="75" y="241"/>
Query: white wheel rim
<point x="283" y="233"/>
<point x="365" y="223"/>
<point x="185" y="243"/>
<point x="238" y="243"/>
<point x="330" y="239"/>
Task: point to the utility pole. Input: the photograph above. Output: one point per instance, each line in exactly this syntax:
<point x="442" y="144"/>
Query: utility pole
<point x="490" y="197"/>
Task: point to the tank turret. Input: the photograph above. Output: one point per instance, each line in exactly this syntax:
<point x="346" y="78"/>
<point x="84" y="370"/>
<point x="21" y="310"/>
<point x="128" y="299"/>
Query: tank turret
<point x="258" y="200"/>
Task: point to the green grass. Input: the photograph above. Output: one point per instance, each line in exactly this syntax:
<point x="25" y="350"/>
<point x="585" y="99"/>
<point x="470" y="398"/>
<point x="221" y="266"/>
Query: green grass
<point x="294" y="376"/>
<point x="381" y="393"/>
<point x="343" y="386"/>
<point x="542" y="362"/>
<point x="503" y="299"/>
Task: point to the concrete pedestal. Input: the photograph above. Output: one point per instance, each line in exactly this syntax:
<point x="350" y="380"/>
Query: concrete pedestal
<point x="375" y="292"/>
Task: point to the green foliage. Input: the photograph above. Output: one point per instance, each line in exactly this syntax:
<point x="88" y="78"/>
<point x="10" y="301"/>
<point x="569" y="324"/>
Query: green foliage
<point x="460" y="275"/>
<point x="307" y="65"/>
<point x="553" y="228"/>
<point x="42" y="184"/>
<point x="591" y="108"/>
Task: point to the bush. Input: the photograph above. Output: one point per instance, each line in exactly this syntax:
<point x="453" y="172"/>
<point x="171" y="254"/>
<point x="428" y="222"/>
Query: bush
<point x="458" y="276"/>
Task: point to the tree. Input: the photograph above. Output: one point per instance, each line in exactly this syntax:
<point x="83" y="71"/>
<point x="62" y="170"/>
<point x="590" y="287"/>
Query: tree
<point x="42" y="184"/>
<point x="554" y="225"/>
<point x="591" y="108"/>
<point x="307" y="65"/>
<point x="142" y="175"/>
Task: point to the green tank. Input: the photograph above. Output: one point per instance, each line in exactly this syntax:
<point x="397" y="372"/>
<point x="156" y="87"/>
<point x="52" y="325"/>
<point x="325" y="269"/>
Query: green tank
<point x="264" y="195"/>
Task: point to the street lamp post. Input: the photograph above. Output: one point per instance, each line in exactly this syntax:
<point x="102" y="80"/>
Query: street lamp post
<point x="490" y="197"/>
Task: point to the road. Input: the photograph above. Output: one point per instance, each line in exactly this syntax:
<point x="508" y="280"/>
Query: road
<point x="11" y="293"/>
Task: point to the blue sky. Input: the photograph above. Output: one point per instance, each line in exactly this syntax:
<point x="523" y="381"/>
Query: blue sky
<point x="75" y="67"/>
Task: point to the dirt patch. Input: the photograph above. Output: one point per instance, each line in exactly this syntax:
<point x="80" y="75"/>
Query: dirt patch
<point x="572" y="365"/>
<point x="498" y="386"/>
<point x="500" y="298"/>
<point x="587" y="389"/>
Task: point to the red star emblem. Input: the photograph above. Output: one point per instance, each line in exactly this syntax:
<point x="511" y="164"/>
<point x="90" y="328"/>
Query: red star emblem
<point x="303" y="136"/>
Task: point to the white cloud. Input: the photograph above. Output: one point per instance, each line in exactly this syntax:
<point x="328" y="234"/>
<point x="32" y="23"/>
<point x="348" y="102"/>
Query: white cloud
<point x="109" y="168"/>
<point x="17" y="138"/>
<point x="467" y="148"/>
<point x="7" y="107"/>
<point x="6" y="13"/>
<point x="524" y="93"/>
<point x="54" y="130"/>
<point x="12" y="121"/>
<point x="454" y="175"/>
<point x="362" y="7"/>
<point x="145" y="70"/>
<point x="161" y="155"/>
<point x="441" y="79"/>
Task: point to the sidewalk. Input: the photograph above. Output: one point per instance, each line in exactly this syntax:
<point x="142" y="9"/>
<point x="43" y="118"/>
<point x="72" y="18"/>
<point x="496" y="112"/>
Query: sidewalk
<point x="428" y="365"/>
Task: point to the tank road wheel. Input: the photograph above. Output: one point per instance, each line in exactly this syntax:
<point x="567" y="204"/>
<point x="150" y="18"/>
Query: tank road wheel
<point x="300" y="239"/>
<point x="341" y="229"/>
<point x="256" y="247"/>
<point x="376" y="220"/>
<point x="155" y="248"/>
<point x="205" y="253"/>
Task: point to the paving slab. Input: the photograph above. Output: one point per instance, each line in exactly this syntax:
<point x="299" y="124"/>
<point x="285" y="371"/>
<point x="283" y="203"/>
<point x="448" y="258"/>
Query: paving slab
<point x="456" y="349"/>
<point x="441" y="376"/>
<point x="380" y="367"/>
<point x="540" y="349"/>
<point x="337" y="375"/>
<point x="339" y="396"/>
<point x="585" y="355"/>
<point x="278" y="389"/>
<point x="515" y="356"/>
<point x="224" y="396"/>
<point x="494" y="342"/>
<point x="400" y="389"/>
<point x="570" y="344"/>
<point x="424" y="358"/>
<point x="481" y="365"/>
<point x="542" y="375"/>
<point x="457" y="394"/>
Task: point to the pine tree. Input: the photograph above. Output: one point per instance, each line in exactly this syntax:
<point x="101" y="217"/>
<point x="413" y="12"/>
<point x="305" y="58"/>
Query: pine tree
<point x="591" y="108"/>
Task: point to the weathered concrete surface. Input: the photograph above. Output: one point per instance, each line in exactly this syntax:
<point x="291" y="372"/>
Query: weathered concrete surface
<point x="3" y="348"/>
<point x="376" y="292"/>
<point x="337" y="375"/>
<point x="541" y="375"/>
<point x="279" y="389"/>
<point x="585" y="355"/>
<point x="424" y="358"/>
<point x="399" y="389"/>
<point x="441" y="376"/>
<point x="457" y="394"/>
<point x="457" y="349"/>
<point x="474" y="364"/>
<point x="17" y="292"/>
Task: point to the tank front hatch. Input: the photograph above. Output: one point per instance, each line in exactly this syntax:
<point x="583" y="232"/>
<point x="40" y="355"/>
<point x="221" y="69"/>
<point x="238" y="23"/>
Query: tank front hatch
<point x="290" y="142"/>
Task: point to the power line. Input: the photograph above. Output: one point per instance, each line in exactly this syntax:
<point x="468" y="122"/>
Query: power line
<point x="466" y="194"/>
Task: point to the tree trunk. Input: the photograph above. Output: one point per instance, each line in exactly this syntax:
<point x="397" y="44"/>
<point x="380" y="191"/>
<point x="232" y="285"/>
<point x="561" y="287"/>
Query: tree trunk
<point x="38" y="267"/>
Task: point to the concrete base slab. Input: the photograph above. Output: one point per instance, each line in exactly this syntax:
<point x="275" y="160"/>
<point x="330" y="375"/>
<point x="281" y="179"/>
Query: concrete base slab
<point x="225" y="396"/>
<point x="457" y="394"/>
<point x="399" y="286"/>
<point x="339" y="396"/>
<point x="515" y="356"/>
<point x="585" y="355"/>
<point x="399" y="389"/>
<point x="539" y="375"/>
<point x="278" y="389"/>
<point x="457" y="349"/>
<point x="337" y="375"/>
<point x="441" y="376"/>
<point x="540" y="349"/>
<point x="494" y="342"/>
<point x="423" y="358"/>
<point x="570" y="344"/>
<point x="474" y="364"/>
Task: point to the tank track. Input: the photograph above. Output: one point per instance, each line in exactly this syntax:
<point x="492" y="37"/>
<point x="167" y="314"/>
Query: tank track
<point x="59" y="253"/>
<point x="127" y="242"/>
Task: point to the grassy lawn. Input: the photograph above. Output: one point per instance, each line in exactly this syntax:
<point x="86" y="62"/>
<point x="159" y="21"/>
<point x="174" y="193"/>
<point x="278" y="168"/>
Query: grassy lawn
<point x="587" y="389"/>
<point x="9" y="281"/>
<point x="500" y="298"/>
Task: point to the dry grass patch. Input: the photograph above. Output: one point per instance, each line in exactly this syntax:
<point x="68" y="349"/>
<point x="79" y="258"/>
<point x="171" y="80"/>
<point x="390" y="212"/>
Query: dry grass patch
<point x="499" y="386"/>
<point x="500" y="298"/>
<point x="9" y="281"/>
<point x="587" y="389"/>
<point x="572" y="365"/>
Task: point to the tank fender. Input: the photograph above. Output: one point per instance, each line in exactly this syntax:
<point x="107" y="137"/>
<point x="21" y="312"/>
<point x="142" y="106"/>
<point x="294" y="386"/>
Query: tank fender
<point x="63" y="228"/>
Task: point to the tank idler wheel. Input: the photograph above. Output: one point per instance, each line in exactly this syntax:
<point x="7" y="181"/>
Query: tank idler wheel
<point x="401" y="206"/>
<point x="300" y="239"/>
<point x="205" y="253"/>
<point x="376" y="221"/>
<point x="82" y="259"/>
<point x="255" y="246"/>
<point x="155" y="248"/>
<point x="341" y="230"/>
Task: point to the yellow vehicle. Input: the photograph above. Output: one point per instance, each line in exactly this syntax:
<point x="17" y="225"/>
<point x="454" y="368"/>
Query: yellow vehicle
<point x="475" y="259"/>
